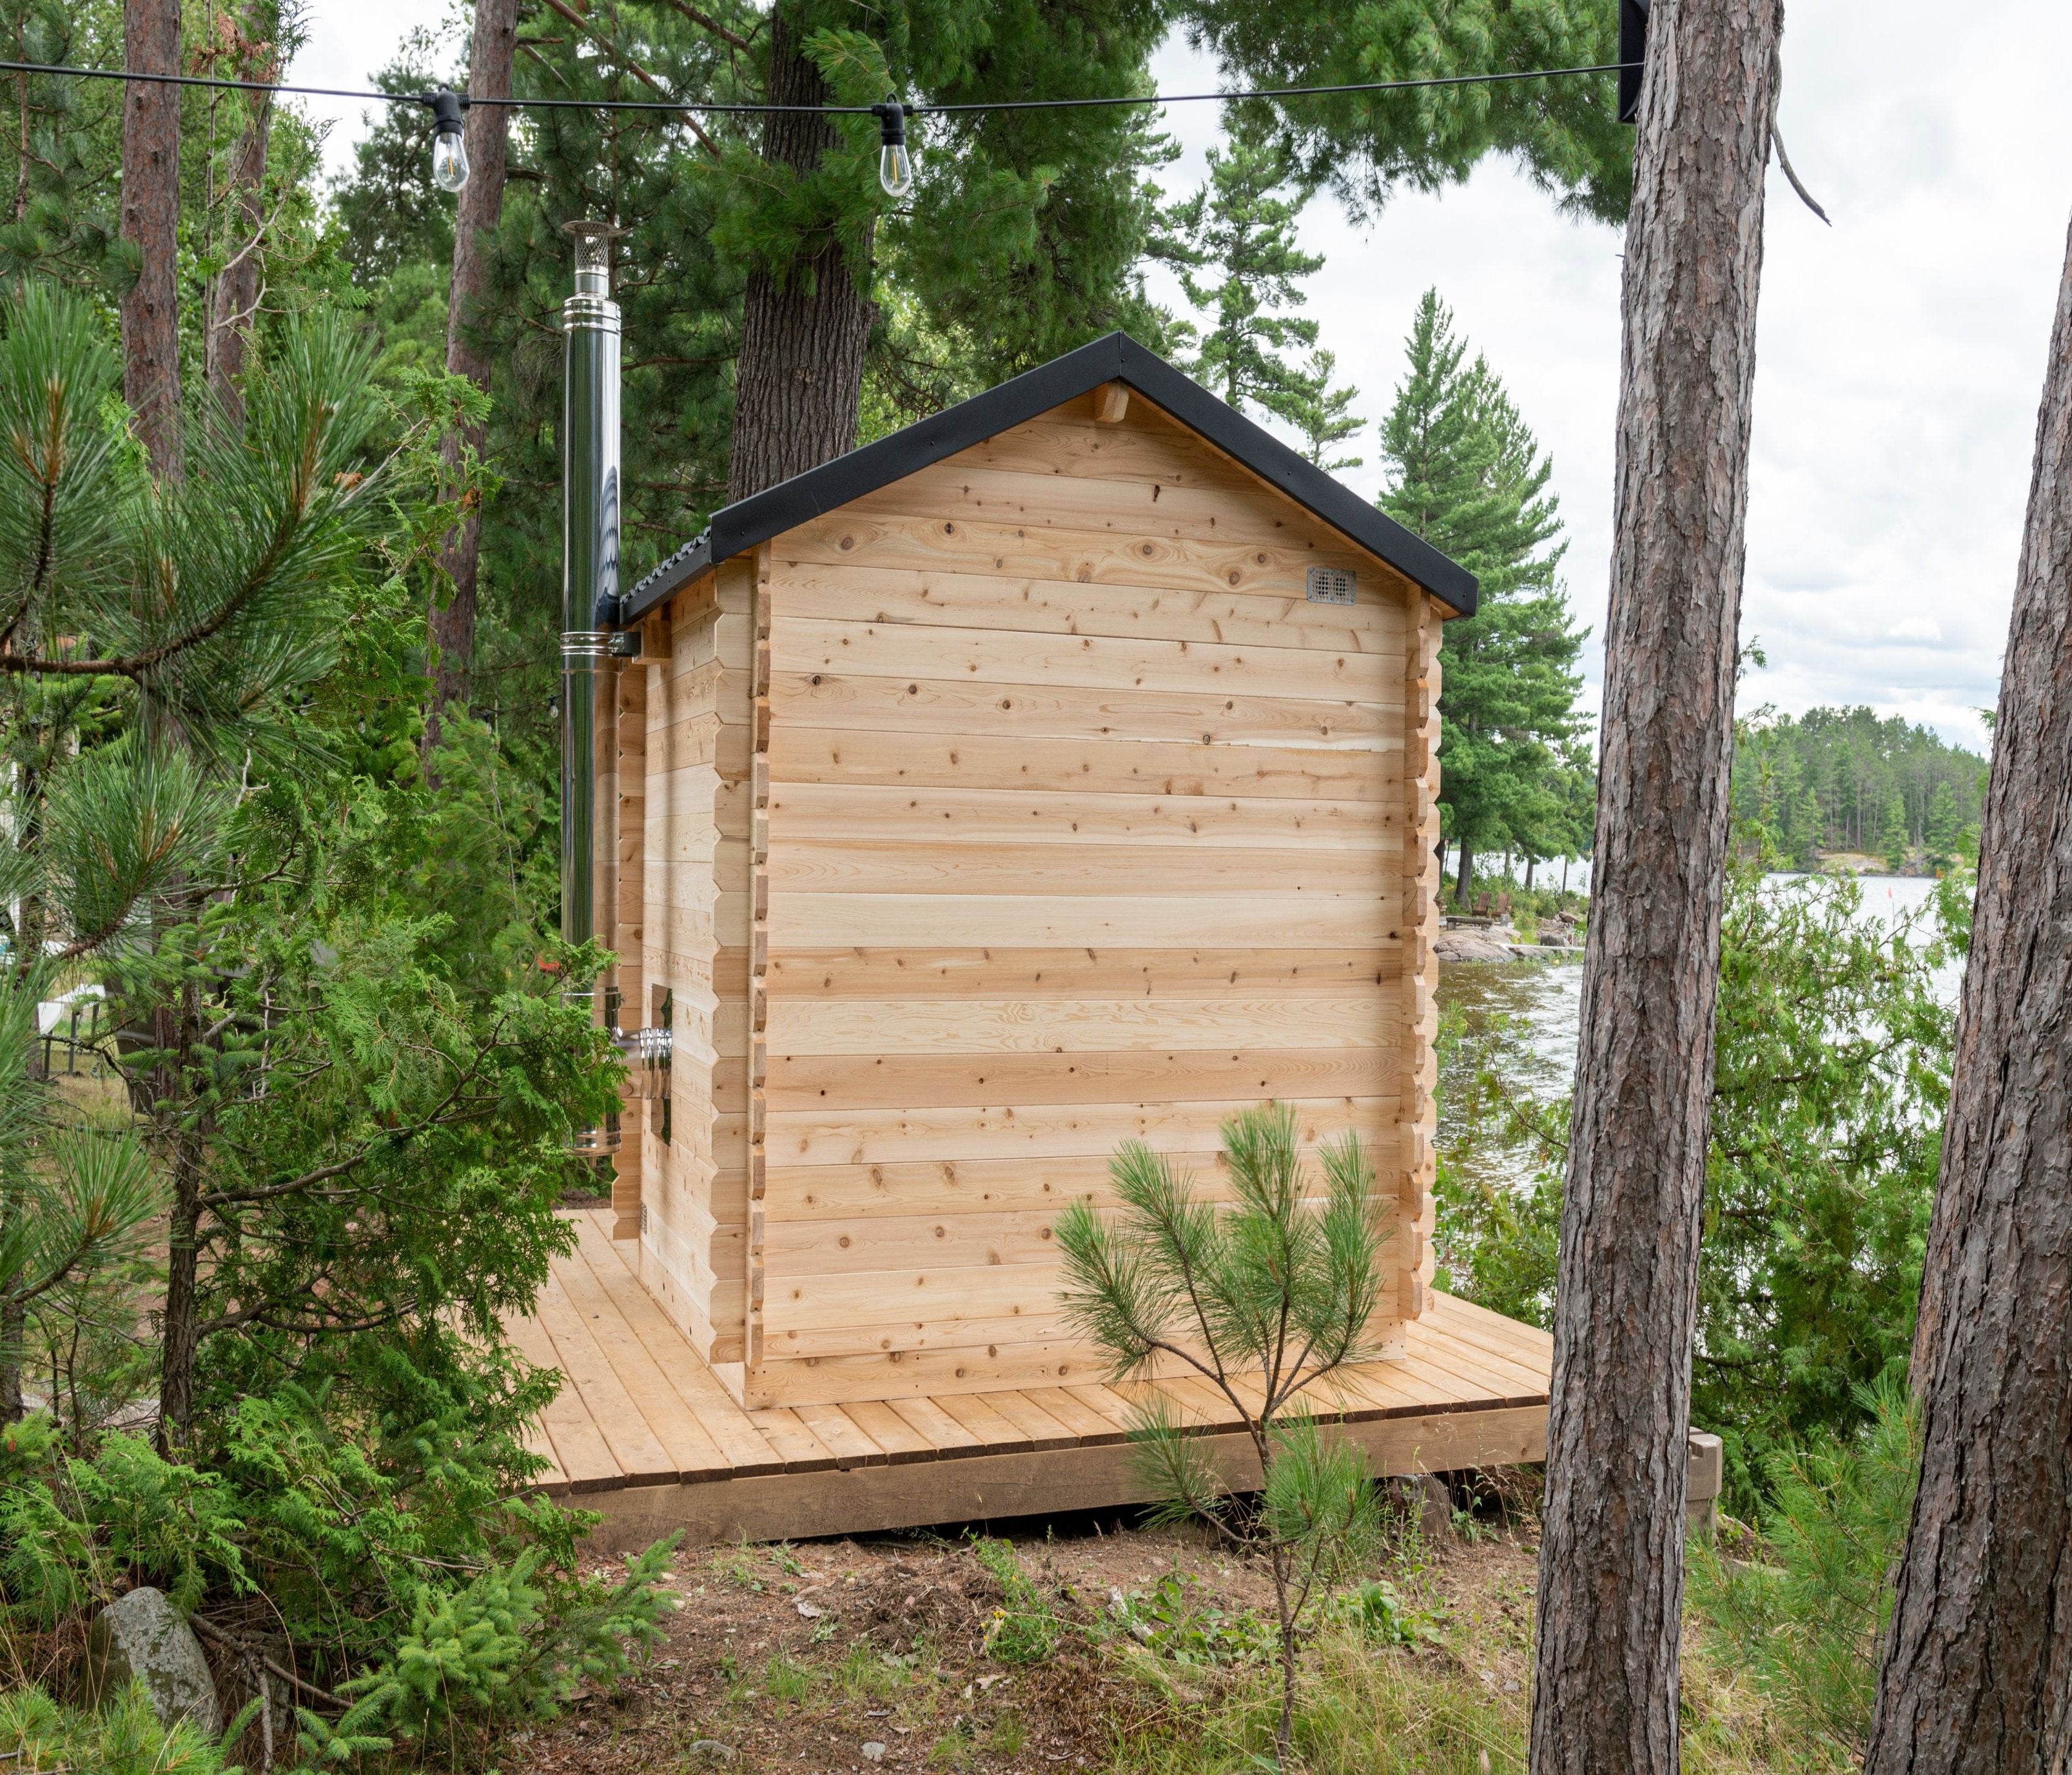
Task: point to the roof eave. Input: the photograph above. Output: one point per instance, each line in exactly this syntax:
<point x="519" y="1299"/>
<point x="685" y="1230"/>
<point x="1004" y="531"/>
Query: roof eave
<point x="1116" y="357"/>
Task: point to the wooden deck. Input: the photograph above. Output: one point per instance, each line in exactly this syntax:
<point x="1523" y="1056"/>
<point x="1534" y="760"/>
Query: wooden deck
<point x="642" y="1431"/>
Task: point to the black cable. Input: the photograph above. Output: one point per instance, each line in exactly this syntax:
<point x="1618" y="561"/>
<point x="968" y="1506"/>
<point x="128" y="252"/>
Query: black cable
<point x="715" y="107"/>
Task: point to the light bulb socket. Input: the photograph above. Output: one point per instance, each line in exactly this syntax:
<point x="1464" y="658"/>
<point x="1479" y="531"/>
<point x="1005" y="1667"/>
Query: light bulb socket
<point x="891" y="123"/>
<point x="447" y="109"/>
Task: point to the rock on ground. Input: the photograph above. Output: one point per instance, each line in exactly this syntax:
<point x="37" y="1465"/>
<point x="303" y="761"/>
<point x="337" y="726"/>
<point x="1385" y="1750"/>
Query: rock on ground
<point x="143" y="1635"/>
<point x="1468" y="946"/>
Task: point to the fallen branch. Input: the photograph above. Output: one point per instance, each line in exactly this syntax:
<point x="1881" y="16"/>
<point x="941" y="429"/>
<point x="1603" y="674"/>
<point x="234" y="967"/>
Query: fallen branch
<point x="209" y="1630"/>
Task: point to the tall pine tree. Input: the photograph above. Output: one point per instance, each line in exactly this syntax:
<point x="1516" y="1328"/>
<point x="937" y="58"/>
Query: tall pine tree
<point x="1466" y="474"/>
<point x="1238" y="230"/>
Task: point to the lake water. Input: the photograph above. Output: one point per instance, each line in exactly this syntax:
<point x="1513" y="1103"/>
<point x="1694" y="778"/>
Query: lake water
<point x="1545" y="998"/>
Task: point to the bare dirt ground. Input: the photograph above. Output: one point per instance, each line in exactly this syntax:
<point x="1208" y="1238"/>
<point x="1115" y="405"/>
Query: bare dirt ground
<point x="928" y="1651"/>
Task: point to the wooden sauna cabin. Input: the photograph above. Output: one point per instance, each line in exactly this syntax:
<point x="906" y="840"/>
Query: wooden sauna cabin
<point x="1058" y="770"/>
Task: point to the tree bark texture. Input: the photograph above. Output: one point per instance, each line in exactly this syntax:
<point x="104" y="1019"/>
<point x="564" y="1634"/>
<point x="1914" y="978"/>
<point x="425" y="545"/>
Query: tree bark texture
<point x="1464" y="879"/>
<point x="150" y="218"/>
<point x="1977" y="1673"/>
<point x="1611" y="1561"/>
<point x="481" y="209"/>
<point x="799" y="383"/>
<point x="235" y="300"/>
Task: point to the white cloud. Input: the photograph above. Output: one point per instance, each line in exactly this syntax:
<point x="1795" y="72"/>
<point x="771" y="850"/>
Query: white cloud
<point x="1899" y="357"/>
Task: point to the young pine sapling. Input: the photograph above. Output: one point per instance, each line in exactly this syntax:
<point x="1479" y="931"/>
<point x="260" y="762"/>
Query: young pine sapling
<point x="1265" y="1299"/>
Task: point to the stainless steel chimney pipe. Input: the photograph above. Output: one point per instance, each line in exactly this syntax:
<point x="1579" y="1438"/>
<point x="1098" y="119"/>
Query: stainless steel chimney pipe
<point x="590" y="602"/>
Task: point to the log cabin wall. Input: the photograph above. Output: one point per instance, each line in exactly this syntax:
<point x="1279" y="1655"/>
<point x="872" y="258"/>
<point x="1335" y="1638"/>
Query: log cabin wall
<point x="1083" y="822"/>
<point x="693" y="946"/>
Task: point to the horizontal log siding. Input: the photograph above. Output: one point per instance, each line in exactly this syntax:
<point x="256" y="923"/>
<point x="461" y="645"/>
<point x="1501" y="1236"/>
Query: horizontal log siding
<point x="1083" y="823"/>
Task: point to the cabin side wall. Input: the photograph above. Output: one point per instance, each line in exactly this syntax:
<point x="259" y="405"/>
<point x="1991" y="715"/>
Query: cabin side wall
<point x="694" y="936"/>
<point x="1084" y="824"/>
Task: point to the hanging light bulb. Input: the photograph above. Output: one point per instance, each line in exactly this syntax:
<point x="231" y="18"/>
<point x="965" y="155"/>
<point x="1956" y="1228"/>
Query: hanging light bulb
<point x="895" y="165"/>
<point x="449" y="142"/>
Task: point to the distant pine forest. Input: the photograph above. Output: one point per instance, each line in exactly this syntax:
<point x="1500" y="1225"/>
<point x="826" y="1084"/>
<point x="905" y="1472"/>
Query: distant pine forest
<point x="1842" y="783"/>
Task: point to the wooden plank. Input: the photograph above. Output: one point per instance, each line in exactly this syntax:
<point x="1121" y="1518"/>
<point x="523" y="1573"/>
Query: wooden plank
<point x="867" y="1137"/>
<point x="963" y="1187"/>
<point x="1078" y="1420"/>
<point x="640" y="1456"/>
<point x="820" y="920"/>
<point x="745" y="1449"/>
<point x="877" y="1335"/>
<point x="841" y="1436"/>
<point x="690" y="1451"/>
<point x="885" y="1081"/>
<point x="959" y="490"/>
<point x="1081" y="556"/>
<point x="956" y="595"/>
<point x="864" y="813"/>
<point x="890" y="1298"/>
<point x="899" y="1440"/>
<point x="914" y="703"/>
<point x="995" y="1433"/>
<point x="924" y="970"/>
<point x="999" y="1487"/>
<point x="583" y="1457"/>
<point x="1118" y="766"/>
<point x="1022" y="1411"/>
<point x="1051" y="1026"/>
<point x="928" y="1418"/>
<point x="1486" y="1376"/>
<point x="832" y="1248"/>
<point x="793" y="1440"/>
<point x="911" y="653"/>
<point x="921" y="866"/>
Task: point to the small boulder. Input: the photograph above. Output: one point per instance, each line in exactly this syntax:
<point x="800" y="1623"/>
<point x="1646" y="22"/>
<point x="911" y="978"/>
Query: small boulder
<point x="143" y="1635"/>
<point x="1426" y="1497"/>
<point x="711" y="1750"/>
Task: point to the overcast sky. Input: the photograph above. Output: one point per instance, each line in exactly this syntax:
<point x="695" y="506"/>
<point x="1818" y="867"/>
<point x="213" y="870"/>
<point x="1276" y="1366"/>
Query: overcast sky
<point x="1900" y="354"/>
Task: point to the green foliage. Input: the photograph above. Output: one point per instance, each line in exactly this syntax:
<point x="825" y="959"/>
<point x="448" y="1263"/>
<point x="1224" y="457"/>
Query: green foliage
<point x="388" y="207"/>
<point x="1466" y="474"/>
<point x="1324" y="416"/>
<point x="70" y="1526"/>
<point x="1179" y="1620"/>
<point x="122" y="1737"/>
<point x="1276" y="1287"/>
<point x="1024" y="1629"/>
<point x="1241" y="224"/>
<point x="1833" y="1049"/>
<point x="1841" y="779"/>
<point x="60" y="155"/>
<point x="513" y="1643"/>
<point x="1564" y="134"/>
<point x="1806" y="1617"/>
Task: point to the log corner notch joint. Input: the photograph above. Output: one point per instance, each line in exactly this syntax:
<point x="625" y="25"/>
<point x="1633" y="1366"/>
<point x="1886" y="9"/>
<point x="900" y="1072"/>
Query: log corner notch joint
<point x="1117" y="358"/>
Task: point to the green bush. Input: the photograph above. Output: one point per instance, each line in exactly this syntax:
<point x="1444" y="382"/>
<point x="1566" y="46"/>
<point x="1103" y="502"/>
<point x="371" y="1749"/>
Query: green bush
<point x="123" y="1737"/>
<point x="1805" y="1617"/>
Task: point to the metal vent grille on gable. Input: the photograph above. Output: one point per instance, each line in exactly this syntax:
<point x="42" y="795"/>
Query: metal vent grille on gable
<point x="1331" y="585"/>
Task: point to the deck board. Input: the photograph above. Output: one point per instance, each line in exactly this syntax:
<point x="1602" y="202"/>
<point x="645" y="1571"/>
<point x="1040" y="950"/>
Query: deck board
<point x="643" y="1428"/>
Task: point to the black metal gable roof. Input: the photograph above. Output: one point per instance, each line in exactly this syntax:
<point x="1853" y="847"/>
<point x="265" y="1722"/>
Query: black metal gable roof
<point x="1116" y="358"/>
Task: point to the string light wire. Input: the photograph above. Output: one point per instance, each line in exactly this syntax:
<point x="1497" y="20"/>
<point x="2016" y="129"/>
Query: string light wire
<point x="718" y="108"/>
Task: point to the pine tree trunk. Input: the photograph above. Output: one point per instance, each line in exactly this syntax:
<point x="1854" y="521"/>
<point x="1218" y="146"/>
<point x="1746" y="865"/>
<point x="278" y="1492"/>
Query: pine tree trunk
<point x="150" y="218"/>
<point x="1977" y="1673"/>
<point x="176" y="1026"/>
<point x="452" y="629"/>
<point x="799" y="381"/>
<point x="1611" y="1562"/>
<point x="236" y="297"/>
<point x="1463" y="880"/>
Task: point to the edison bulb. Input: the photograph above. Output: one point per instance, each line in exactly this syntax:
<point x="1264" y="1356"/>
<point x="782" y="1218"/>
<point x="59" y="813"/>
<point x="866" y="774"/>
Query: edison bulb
<point x="449" y="161"/>
<point x="895" y="169"/>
